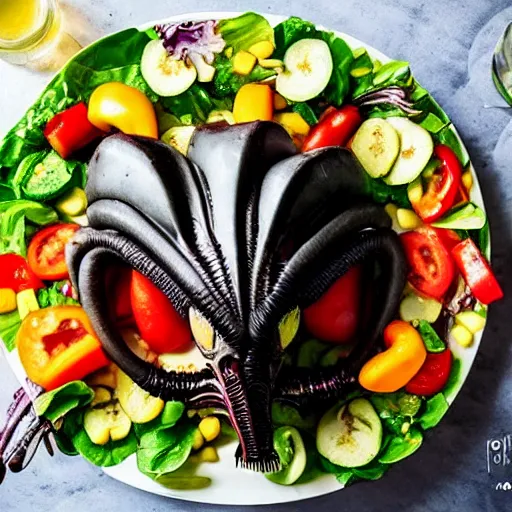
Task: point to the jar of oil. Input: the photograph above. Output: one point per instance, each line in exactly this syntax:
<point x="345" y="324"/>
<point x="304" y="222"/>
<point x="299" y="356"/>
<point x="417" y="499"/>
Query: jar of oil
<point x="28" y="29"/>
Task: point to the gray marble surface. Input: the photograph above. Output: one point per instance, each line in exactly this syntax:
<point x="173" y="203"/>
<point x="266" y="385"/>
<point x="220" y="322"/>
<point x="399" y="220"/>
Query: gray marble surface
<point x="448" y="45"/>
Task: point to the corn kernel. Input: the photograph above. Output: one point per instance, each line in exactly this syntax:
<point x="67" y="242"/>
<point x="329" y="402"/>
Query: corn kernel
<point x="467" y="180"/>
<point x="7" y="300"/>
<point x="210" y="428"/>
<point x="27" y="302"/>
<point x="208" y="454"/>
<point x="262" y="49"/>
<point x="391" y="210"/>
<point x="243" y="62"/>
<point x="407" y="219"/>
<point x="462" y="336"/>
<point x="198" y="440"/>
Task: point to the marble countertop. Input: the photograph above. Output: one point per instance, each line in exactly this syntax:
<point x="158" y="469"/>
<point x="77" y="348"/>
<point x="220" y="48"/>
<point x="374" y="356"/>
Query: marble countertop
<point x="448" y="45"/>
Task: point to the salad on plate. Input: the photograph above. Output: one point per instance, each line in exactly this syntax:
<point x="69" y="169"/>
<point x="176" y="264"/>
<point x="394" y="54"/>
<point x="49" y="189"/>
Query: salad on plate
<point x="223" y="232"/>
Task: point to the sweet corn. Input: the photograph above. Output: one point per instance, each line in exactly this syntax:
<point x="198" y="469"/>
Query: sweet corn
<point x="243" y="62"/>
<point x="208" y="454"/>
<point x="198" y="440"/>
<point x="279" y="102"/>
<point x="27" y="302"/>
<point x="210" y="428"/>
<point x="293" y="123"/>
<point x="407" y="219"/>
<point x="391" y="210"/>
<point x="262" y="49"/>
<point x="467" y="180"/>
<point x="462" y="336"/>
<point x="7" y="300"/>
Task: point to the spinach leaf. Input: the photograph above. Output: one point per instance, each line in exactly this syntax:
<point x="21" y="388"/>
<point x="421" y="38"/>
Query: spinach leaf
<point x="53" y="296"/>
<point x="57" y="403"/>
<point x="448" y="137"/>
<point x="6" y="193"/>
<point x="371" y="471"/>
<point x="395" y="72"/>
<point x="12" y="223"/>
<point x="226" y="82"/>
<point x="283" y="414"/>
<point x="307" y="113"/>
<point x="110" y="454"/>
<point x="433" y="343"/>
<point x="383" y="193"/>
<point x="164" y="451"/>
<point x="395" y="409"/>
<point x="432" y="123"/>
<point x="9" y="325"/>
<point x="453" y="379"/>
<point x="170" y="415"/>
<point x="242" y="32"/>
<point x="401" y="447"/>
<point x="290" y="31"/>
<point x="436" y="408"/>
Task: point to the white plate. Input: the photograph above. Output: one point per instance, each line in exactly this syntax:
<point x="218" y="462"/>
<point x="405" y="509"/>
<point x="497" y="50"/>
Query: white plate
<point x="232" y="486"/>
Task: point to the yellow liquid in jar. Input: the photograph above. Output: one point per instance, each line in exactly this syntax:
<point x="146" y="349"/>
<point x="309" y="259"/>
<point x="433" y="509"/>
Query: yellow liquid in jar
<point x="17" y="18"/>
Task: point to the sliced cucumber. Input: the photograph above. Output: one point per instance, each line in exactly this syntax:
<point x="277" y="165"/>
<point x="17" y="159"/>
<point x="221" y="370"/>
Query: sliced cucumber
<point x="103" y="423"/>
<point x="376" y="145"/>
<point x="414" y="307"/>
<point x="292" y="454"/>
<point x="308" y="69"/>
<point x="350" y="436"/>
<point x="165" y="75"/>
<point x="416" y="147"/>
<point x="468" y="216"/>
<point x="179" y="137"/>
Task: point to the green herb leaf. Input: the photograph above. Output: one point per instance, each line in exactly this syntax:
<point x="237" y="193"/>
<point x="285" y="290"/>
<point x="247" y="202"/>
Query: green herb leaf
<point x="307" y="113"/>
<point x="382" y="193"/>
<point x="53" y="296"/>
<point x="9" y="326"/>
<point x="170" y="415"/>
<point x="436" y="408"/>
<point x="433" y="343"/>
<point x="465" y="216"/>
<point x="401" y="447"/>
<point x="242" y="32"/>
<point x="57" y="403"/>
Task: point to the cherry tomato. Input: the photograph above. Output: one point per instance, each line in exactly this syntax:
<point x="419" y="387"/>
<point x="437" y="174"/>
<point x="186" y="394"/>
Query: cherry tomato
<point x="334" y="129"/>
<point x="16" y="274"/>
<point x="46" y="251"/>
<point x="158" y="322"/>
<point x="334" y="317"/>
<point x="57" y="345"/>
<point x="431" y="268"/>
<point x="433" y="375"/>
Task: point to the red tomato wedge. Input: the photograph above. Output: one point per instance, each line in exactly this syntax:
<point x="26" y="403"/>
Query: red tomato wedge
<point x="16" y="275"/>
<point x="46" y="251"/>
<point x="477" y="272"/>
<point x="158" y="322"/>
<point x="118" y="284"/>
<point x="335" y="316"/>
<point x="431" y="267"/>
<point x="433" y="375"/>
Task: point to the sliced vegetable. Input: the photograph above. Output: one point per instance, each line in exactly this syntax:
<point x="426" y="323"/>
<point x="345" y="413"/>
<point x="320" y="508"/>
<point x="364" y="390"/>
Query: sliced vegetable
<point x="205" y="71"/>
<point x="57" y="345"/>
<point x="471" y="320"/>
<point x="308" y="69"/>
<point x="394" y="368"/>
<point x="293" y="123"/>
<point x="335" y="316"/>
<point x="467" y="216"/>
<point x="462" y="335"/>
<point x="179" y="137"/>
<point x="7" y="300"/>
<point x="431" y="268"/>
<point x="476" y="272"/>
<point x="71" y="130"/>
<point x="72" y="203"/>
<point x="16" y="275"/>
<point x="46" y="251"/>
<point x="243" y="62"/>
<point x="26" y="302"/>
<point x="290" y="447"/>
<point x="123" y="107"/>
<point x="433" y="375"/>
<point x="376" y="145"/>
<point x="350" y="436"/>
<point x="106" y="423"/>
<point x="262" y="49"/>
<point x="433" y="343"/>
<point x="253" y="102"/>
<point x="407" y="219"/>
<point x="139" y="405"/>
<point x="413" y="307"/>
<point x="335" y="128"/>
<point x="158" y="322"/>
<point x="416" y="147"/>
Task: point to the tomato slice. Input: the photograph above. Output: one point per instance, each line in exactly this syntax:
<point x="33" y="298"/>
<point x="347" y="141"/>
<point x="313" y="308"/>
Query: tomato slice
<point x="431" y="267"/>
<point x="16" y="274"/>
<point x="118" y="285"/>
<point x="158" y="322"/>
<point x="46" y="251"/>
<point x="335" y="316"/>
<point x="433" y="375"/>
<point x="57" y="345"/>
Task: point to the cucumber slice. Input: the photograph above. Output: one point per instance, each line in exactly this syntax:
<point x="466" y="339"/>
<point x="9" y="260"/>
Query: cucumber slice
<point x="292" y="453"/>
<point x="308" y="69"/>
<point x="414" y="307"/>
<point x="165" y="75"/>
<point x="468" y="216"/>
<point x="105" y="423"/>
<point x="350" y="436"/>
<point x="376" y="145"/>
<point x="416" y="147"/>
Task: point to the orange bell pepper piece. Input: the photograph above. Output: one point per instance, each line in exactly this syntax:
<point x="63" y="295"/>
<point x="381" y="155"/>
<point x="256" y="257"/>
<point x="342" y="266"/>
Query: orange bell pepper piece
<point x="254" y="102"/>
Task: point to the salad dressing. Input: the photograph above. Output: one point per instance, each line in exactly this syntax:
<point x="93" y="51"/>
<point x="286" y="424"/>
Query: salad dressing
<point x="18" y="18"/>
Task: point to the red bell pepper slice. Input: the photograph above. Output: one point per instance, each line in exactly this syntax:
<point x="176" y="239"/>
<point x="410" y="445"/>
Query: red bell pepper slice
<point x="71" y="130"/>
<point x="476" y="272"/>
<point x="442" y="187"/>
<point x="433" y="375"/>
<point x="17" y="275"/>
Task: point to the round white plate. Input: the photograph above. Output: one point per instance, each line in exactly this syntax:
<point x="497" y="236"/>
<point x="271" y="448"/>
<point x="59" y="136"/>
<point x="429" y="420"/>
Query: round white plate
<point x="231" y="485"/>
